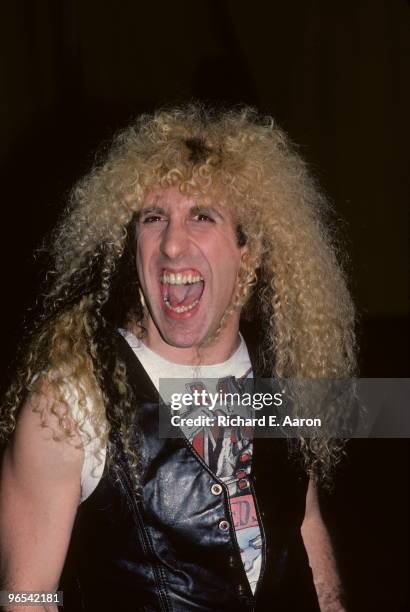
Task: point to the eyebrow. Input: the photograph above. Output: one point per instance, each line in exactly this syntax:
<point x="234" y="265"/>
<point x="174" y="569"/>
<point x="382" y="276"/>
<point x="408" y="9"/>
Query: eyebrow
<point x="196" y="209"/>
<point x="151" y="209"/>
<point x="203" y="208"/>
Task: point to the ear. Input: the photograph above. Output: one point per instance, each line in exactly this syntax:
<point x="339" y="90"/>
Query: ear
<point x="244" y="250"/>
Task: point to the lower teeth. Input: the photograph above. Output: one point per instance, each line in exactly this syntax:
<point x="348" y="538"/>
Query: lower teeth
<point x="180" y="309"/>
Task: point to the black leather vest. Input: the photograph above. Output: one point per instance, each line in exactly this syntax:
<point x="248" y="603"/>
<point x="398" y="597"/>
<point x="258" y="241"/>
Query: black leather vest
<point x="165" y="551"/>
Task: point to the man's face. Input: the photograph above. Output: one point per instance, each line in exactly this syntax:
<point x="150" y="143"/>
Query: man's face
<point x="188" y="260"/>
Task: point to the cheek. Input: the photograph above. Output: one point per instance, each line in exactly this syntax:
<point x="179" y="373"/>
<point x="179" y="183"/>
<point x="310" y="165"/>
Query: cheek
<point x="143" y="254"/>
<point x="226" y="269"/>
<point x="222" y="249"/>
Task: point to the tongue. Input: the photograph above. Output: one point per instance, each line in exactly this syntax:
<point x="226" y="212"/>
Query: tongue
<point x="184" y="295"/>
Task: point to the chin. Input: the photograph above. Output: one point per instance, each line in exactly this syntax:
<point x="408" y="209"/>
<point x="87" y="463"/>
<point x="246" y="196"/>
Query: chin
<point x="183" y="335"/>
<point x="183" y="340"/>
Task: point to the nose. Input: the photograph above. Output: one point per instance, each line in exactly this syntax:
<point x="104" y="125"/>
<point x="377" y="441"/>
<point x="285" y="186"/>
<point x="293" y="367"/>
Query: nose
<point x="175" y="239"/>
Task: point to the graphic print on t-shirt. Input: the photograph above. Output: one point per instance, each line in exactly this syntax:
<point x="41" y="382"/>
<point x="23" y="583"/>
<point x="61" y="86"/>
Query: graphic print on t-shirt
<point x="228" y="452"/>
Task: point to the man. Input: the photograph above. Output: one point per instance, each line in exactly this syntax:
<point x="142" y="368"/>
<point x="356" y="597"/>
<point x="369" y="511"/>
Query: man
<point x="196" y="224"/>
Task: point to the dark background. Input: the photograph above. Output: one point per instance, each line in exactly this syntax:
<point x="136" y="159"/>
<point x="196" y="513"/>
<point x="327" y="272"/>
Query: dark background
<point x="333" y="75"/>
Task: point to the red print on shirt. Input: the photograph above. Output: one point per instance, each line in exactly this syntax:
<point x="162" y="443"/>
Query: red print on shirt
<point x="243" y="512"/>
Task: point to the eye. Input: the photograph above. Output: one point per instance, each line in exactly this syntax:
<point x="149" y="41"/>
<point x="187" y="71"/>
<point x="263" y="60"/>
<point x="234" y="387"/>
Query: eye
<point x="204" y="217"/>
<point x="151" y="219"/>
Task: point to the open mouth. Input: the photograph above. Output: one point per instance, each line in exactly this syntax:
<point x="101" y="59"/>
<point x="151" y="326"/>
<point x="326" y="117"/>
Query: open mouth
<point x="181" y="291"/>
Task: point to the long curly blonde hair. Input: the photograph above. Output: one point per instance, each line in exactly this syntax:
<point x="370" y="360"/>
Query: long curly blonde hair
<point x="292" y="278"/>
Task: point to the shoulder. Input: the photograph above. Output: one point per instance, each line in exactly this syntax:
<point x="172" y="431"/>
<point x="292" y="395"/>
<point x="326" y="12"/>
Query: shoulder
<point x="46" y="442"/>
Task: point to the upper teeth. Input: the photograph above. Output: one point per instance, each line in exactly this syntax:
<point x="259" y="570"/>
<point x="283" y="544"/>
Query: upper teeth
<point x="180" y="279"/>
